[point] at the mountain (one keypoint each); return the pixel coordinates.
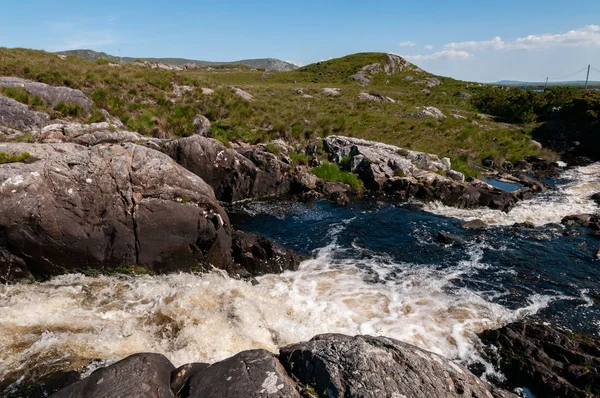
(266, 63)
(576, 83)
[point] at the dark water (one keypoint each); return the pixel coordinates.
(516, 265)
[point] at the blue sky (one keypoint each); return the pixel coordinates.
(471, 40)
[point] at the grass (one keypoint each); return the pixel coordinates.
(8, 158)
(143, 99)
(331, 172)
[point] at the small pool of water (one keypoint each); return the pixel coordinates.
(507, 186)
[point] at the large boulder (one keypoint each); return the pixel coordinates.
(140, 375)
(234, 175)
(52, 95)
(251, 374)
(549, 361)
(335, 365)
(76, 208)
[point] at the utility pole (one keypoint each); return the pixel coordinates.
(546, 85)
(120, 59)
(587, 77)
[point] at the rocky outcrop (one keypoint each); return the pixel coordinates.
(410, 174)
(395, 63)
(109, 206)
(328, 365)
(234, 175)
(89, 134)
(548, 361)
(52, 95)
(17, 118)
(332, 92)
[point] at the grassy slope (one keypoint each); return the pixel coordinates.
(143, 98)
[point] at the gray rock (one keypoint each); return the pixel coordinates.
(241, 93)
(78, 208)
(50, 94)
(361, 79)
(335, 365)
(395, 64)
(426, 91)
(249, 374)
(456, 175)
(113, 120)
(375, 97)
(433, 112)
(207, 91)
(331, 91)
(180, 377)
(447, 238)
(464, 95)
(137, 376)
(178, 91)
(89, 134)
(16, 117)
(432, 82)
(202, 126)
(408, 78)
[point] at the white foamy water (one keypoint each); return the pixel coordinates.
(73, 318)
(548, 207)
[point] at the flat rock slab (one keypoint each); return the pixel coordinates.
(137, 376)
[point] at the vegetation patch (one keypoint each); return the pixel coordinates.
(10, 158)
(331, 172)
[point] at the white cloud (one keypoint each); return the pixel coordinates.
(588, 36)
(428, 47)
(87, 40)
(406, 44)
(444, 54)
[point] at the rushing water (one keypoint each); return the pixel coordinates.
(374, 268)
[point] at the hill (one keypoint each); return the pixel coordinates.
(264, 63)
(373, 96)
(571, 83)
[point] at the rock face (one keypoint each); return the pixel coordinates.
(404, 173)
(234, 175)
(50, 94)
(16, 118)
(140, 375)
(548, 361)
(363, 366)
(78, 208)
(329, 365)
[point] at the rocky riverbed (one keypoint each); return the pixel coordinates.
(93, 202)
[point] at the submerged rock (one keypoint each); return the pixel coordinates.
(548, 361)
(474, 224)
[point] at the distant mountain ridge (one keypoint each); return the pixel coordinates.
(266, 63)
(563, 83)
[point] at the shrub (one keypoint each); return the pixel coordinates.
(70, 109)
(332, 173)
(298, 158)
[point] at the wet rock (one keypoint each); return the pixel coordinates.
(180, 377)
(259, 255)
(251, 374)
(596, 197)
(474, 225)
(525, 225)
(77, 208)
(50, 94)
(549, 361)
(16, 118)
(335, 365)
(242, 94)
(447, 238)
(139, 375)
(202, 126)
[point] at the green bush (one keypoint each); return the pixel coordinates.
(70, 109)
(298, 158)
(331, 172)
